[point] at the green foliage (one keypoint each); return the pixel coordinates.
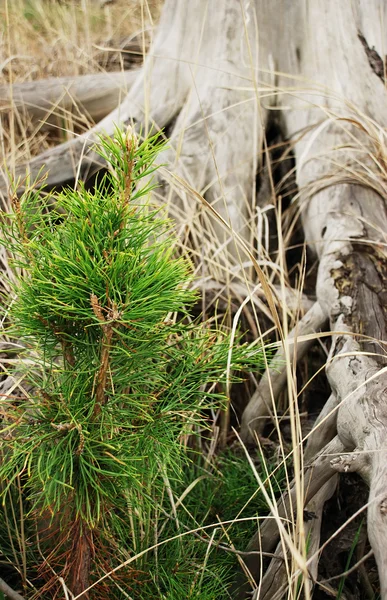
(121, 375)
(221, 501)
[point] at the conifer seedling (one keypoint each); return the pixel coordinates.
(120, 374)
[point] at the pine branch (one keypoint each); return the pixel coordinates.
(116, 385)
(107, 328)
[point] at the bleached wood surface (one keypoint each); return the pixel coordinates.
(44, 100)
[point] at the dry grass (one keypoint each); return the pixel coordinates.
(46, 38)
(49, 38)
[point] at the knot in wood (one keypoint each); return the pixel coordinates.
(383, 507)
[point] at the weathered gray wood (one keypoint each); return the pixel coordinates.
(219, 133)
(324, 428)
(45, 100)
(345, 218)
(275, 580)
(334, 113)
(203, 58)
(289, 299)
(155, 98)
(262, 403)
(9, 592)
(317, 473)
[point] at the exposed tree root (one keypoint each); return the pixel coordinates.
(95, 95)
(317, 473)
(156, 96)
(287, 299)
(9, 592)
(325, 428)
(275, 581)
(347, 225)
(262, 403)
(313, 514)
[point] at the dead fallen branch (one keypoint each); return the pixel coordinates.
(93, 96)
(9, 592)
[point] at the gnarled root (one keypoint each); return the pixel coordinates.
(317, 473)
(201, 71)
(262, 403)
(44, 100)
(275, 581)
(344, 215)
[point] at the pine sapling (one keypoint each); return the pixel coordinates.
(120, 372)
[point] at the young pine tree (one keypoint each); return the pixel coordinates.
(120, 374)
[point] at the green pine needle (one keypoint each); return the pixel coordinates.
(116, 384)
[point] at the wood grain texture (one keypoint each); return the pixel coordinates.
(50, 100)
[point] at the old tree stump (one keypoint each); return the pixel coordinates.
(215, 75)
